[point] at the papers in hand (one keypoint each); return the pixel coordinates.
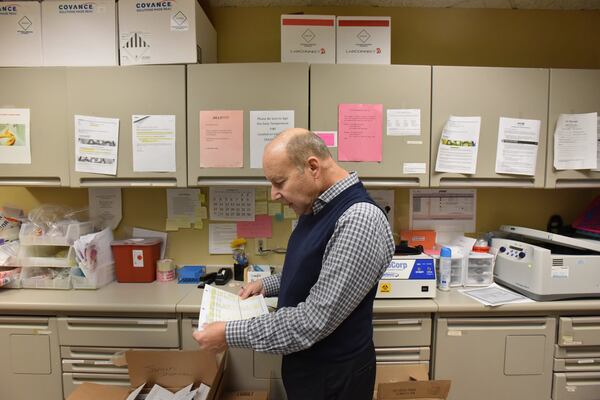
(495, 295)
(220, 305)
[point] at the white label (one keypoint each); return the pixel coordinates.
(73, 362)
(454, 333)
(179, 22)
(560, 272)
(138, 258)
(414, 168)
(570, 388)
(590, 361)
(104, 362)
(414, 142)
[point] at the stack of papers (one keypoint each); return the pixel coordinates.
(159, 393)
(93, 251)
(495, 295)
(220, 305)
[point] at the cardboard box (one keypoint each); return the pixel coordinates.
(408, 382)
(172, 370)
(79, 33)
(363, 40)
(21, 33)
(425, 238)
(165, 32)
(308, 38)
(246, 395)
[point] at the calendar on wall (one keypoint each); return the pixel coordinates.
(231, 204)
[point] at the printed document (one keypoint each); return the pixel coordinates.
(231, 204)
(222, 139)
(264, 126)
(443, 210)
(404, 122)
(220, 305)
(359, 132)
(220, 237)
(153, 143)
(15, 144)
(96, 144)
(183, 205)
(518, 141)
(459, 142)
(598, 150)
(495, 295)
(105, 207)
(576, 141)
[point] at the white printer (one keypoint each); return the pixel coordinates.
(411, 276)
(547, 266)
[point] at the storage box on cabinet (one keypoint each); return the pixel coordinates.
(490, 93)
(394, 86)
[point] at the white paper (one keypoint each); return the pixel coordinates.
(159, 393)
(183, 203)
(404, 122)
(202, 393)
(576, 141)
(153, 143)
(459, 142)
(264, 126)
(220, 237)
(137, 391)
(518, 141)
(598, 148)
(443, 210)
(495, 295)
(220, 305)
(414, 168)
(15, 141)
(96, 144)
(385, 200)
(105, 207)
(231, 204)
(147, 233)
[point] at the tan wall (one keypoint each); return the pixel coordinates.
(419, 36)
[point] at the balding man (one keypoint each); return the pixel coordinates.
(335, 257)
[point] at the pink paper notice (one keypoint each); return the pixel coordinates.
(360, 132)
(222, 139)
(261, 227)
(329, 137)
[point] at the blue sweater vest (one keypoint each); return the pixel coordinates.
(301, 269)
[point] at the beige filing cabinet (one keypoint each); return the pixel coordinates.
(394, 86)
(43, 92)
(247, 87)
(88, 345)
(571, 92)
(577, 359)
(490, 93)
(402, 340)
(121, 92)
(495, 358)
(29, 361)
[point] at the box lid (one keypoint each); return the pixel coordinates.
(172, 369)
(136, 242)
(411, 390)
(93, 391)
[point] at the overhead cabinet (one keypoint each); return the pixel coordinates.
(405, 158)
(43, 92)
(571, 92)
(246, 88)
(122, 92)
(489, 93)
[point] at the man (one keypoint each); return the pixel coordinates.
(335, 256)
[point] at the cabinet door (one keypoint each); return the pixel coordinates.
(571, 92)
(247, 87)
(495, 358)
(392, 331)
(490, 93)
(30, 361)
(121, 92)
(394, 86)
(43, 92)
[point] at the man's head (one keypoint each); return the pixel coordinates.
(300, 168)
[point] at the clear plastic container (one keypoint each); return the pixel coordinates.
(456, 268)
(480, 269)
(45, 278)
(46, 256)
(100, 277)
(10, 277)
(62, 234)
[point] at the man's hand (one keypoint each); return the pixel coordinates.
(252, 289)
(212, 337)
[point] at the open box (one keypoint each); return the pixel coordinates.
(408, 382)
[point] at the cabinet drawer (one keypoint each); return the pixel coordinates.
(402, 354)
(576, 364)
(577, 352)
(576, 386)
(579, 331)
(72, 380)
(92, 366)
(401, 332)
(121, 332)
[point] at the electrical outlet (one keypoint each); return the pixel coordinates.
(260, 245)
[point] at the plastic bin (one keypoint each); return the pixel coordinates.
(10, 277)
(46, 256)
(63, 234)
(480, 269)
(45, 278)
(100, 277)
(135, 259)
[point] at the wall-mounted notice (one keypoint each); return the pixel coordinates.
(222, 139)
(15, 146)
(264, 126)
(359, 132)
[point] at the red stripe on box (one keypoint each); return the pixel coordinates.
(311, 22)
(356, 22)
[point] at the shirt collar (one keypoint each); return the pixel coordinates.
(334, 191)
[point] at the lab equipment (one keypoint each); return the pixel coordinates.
(410, 276)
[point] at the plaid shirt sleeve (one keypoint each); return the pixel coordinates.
(355, 258)
(271, 284)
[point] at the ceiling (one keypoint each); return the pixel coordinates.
(507, 4)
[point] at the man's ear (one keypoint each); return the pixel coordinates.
(314, 166)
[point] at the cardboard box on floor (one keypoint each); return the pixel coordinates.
(408, 382)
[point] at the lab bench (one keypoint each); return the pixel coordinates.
(55, 340)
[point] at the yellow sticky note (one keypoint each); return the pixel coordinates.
(198, 224)
(183, 222)
(260, 208)
(171, 225)
(201, 213)
(260, 194)
(274, 208)
(288, 213)
(202, 198)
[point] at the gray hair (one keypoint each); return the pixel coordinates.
(304, 145)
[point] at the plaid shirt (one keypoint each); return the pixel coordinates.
(355, 258)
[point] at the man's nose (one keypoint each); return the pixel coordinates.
(275, 195)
